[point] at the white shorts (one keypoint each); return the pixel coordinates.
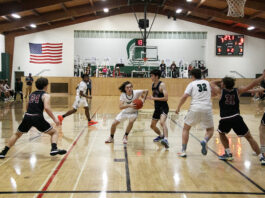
(204, 117)
(80, 102)
(126, 115)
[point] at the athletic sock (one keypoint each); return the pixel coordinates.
(260, 155)
(5, 150)
(54, 146)
(262, 149)
(89, 120)
(206, 139)
(165, 138)
(184, 147)
(126, 134)
(63, 116)
(228, 151)
(112, 136)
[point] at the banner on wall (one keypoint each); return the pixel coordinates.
(46, 53)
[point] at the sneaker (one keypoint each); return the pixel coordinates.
(204, 147)
(2, 156)
(262, 160)
(91, 122)
(226, 157)
(57, 151)
(60, 118)
(125, 139)
(182, 154)
(165, 143)
(158, 138)
(109, 140)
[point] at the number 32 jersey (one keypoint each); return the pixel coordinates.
(200, 92)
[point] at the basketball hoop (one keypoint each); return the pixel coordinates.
(236, 8)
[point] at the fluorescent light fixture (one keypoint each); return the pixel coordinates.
(179, 10)
(33, 25)
(106, 10)
(189, 0)
(251, 28)
(16, 16)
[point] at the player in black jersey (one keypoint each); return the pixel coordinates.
(38, 101)
(230, 114)
(160, 98)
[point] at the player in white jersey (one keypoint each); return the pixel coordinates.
(127, 106)
(80, 100)
(200, 110)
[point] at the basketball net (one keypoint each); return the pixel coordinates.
(236, 8)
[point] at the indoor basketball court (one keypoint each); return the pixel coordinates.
(112, 42)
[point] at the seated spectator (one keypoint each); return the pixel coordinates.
(204, 71)
(3, 91)
(189, 70)
(162, 68)
(174, 70)
(18, 88)
(105, 71)
(8, 89)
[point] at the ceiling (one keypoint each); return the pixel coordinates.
(49, 14)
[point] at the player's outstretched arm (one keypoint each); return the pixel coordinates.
(215, 89)
(47, 108)
(254, 83)
(144, 95)
(182, 101)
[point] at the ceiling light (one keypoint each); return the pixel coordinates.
(189, 0)
(33, 25)
(179, 10)
(16, 16)
(251, 28)
(106, 10)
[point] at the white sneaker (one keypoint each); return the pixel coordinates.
(125, 139)
(109, 140)
(182, 154)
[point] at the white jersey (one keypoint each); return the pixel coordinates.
(200, 92)
(128, 100)
(81, 87)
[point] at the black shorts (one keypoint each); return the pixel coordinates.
(263, 119)
(37, 121)
(236, 123)
(163, 110)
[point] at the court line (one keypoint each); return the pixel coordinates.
(138, 192)
(86, 159)
(128, 179)
(58, 166)
(232, 166)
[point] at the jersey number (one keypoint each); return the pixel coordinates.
(230, 99)
(34, 98)
(202, 87)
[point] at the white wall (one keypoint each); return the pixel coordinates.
(2, 48)
(251, 63)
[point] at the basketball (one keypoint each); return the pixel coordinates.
(138, 103)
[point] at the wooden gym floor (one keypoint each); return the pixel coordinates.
(143, 169)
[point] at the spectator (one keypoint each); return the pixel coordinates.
(163, 69)
(105, 71)
(8, 89)
(189, 70)
(174, 70)
(3, 91)
(18, 88)
(29, 81)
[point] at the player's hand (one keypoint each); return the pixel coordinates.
(89, 97)
(56, 121)
(132, 105)
(150, 97)
(177, 111)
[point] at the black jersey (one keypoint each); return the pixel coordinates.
(158, 94)
(229, 103)
(36, 105)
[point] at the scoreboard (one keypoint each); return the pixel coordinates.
(230, 45)
(139, 42)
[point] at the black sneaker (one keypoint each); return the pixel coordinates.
(262, 160)
(57, 152)
(226, 157)
(204, 148)
(2, 156)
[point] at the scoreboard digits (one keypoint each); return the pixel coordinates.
(230, 45)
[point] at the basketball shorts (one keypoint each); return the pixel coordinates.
(236, 123)
(163, 110)
(126, 115)
(263, 119)
(205, 118)
(37, 121)
(80, 102)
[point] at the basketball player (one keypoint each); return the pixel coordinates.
(200, 110)
(160, 98)
(127, 106)
(38, 101)
(262, 139)
(80, 100)
(230, 114)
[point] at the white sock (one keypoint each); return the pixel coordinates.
(260, 155)
(227, 150)
(165, 138)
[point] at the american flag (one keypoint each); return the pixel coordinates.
(46, 53)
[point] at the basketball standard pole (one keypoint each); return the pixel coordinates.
(145, 33)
